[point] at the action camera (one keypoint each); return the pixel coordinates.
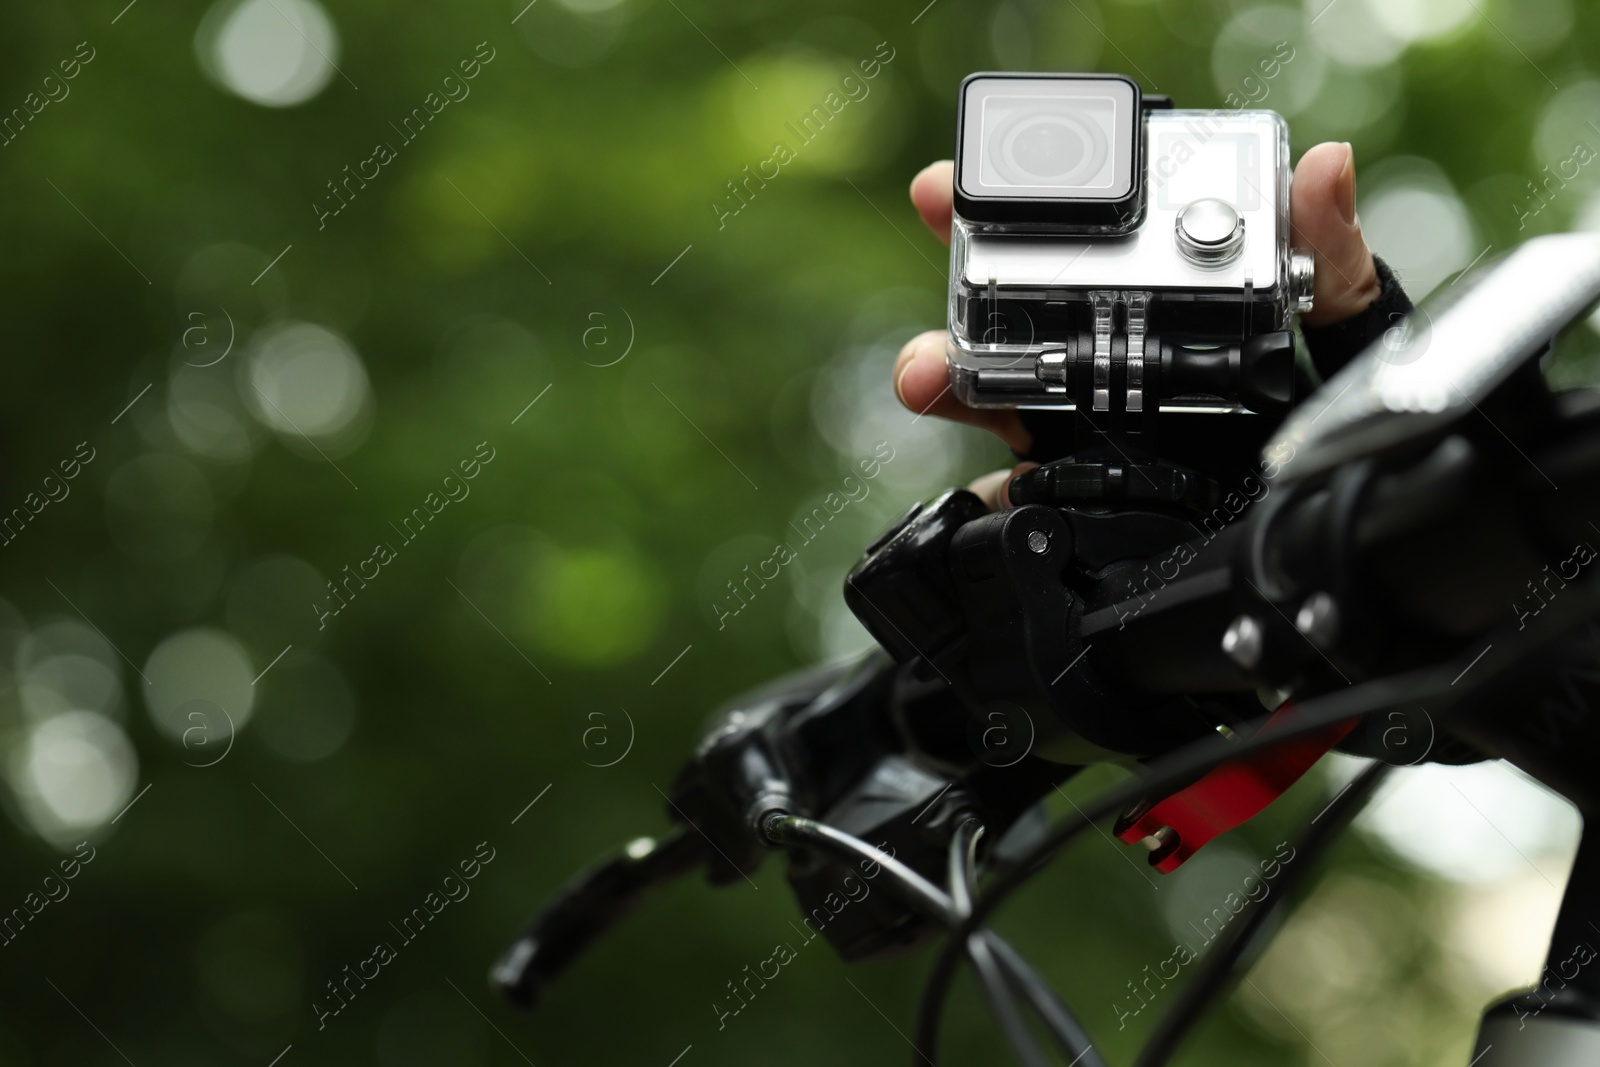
(1110, 252)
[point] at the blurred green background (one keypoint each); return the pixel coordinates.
(268, 389)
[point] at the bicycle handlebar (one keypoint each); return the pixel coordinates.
(1366, 576)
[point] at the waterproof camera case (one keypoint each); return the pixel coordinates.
(1109, 252)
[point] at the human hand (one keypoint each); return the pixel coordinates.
(1322, 210)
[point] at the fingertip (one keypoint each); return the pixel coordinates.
(991, 489)
(933, 194)
(933, 182)
(1346, 182)
(922, 384)
(922, 376)
(1325, 160)
(1322, 201)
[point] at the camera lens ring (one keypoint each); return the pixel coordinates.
(1091, 145)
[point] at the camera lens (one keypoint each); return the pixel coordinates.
(1048, 148)
(1063, 151)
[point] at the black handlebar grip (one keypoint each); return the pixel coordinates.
(586, 907)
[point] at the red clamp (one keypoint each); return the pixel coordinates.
(1227, 795)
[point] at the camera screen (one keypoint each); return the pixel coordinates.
(1055, 138)
(1195, 164)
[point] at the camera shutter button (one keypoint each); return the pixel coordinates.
(1210, 232)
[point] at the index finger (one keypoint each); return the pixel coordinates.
(933, 193)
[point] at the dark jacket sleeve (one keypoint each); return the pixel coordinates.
(1333, 346)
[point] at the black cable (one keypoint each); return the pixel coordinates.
(1069, 1035)
(1013, 968)
(799, 830)
(1177, 769)
(926, 897)
(999, 992)
(963, 884)
(1063, 1026)
(1435, 683)
(964, 864)
(1220, 968)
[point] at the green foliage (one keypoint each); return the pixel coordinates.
(573, 191)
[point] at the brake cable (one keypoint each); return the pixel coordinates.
(1195, 759)
(999, 966)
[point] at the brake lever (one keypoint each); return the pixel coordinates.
(736, 763)
(596, 899)
(865, 747)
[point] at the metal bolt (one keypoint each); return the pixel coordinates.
(1302, 278)
(1051, 368)
(1242, 642)
(1038, 542)
(1159, 840)
(1318, 619)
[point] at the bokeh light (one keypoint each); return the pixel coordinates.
(1414, 21)
(574, 33)
(67, 666)
(197, 664)
(582, 572)
(206, 415)
(1477, 823)
(74, 774)
(277, 53)
(1256, 35)
(307, 383)
(1347, 31)
(1413, 218)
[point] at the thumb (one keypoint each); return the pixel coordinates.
(1322, 210)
